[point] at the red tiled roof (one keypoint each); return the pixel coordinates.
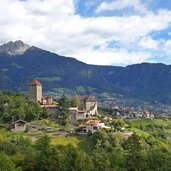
(35, 82)
(93, 122)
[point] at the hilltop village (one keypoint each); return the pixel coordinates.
(84, 116)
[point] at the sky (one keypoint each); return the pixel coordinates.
(100, 32)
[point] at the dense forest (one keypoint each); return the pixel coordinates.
(104, 152)
(15, 106)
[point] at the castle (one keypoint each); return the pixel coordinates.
(87, 108)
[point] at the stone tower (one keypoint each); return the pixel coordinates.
(35, 91)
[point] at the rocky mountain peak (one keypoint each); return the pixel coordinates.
(14, 48)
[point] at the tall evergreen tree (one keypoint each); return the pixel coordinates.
(63, 110)
(134, 153)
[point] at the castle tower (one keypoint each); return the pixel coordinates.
(35, 91)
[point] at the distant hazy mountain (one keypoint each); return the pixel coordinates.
(20, 63)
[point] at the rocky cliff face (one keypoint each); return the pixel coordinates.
(14, 48)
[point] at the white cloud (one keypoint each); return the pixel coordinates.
(168, 47)
(121, 4)
(53, 25)
(108, 56)
(148, 43)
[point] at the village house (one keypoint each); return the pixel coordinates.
(147, 114)
(19, 125)
(91, 126)
(76, 114)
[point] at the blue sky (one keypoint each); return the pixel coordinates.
(110, 32)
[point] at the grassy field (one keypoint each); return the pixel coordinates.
(60, 140)
(145, 122)
(46, 122)
(3, 134)
(159, 128)
(163, 134)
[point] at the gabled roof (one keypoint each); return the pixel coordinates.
(20, 120)
(35, 82)
(93, 122)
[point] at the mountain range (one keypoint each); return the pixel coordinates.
(20, 63)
